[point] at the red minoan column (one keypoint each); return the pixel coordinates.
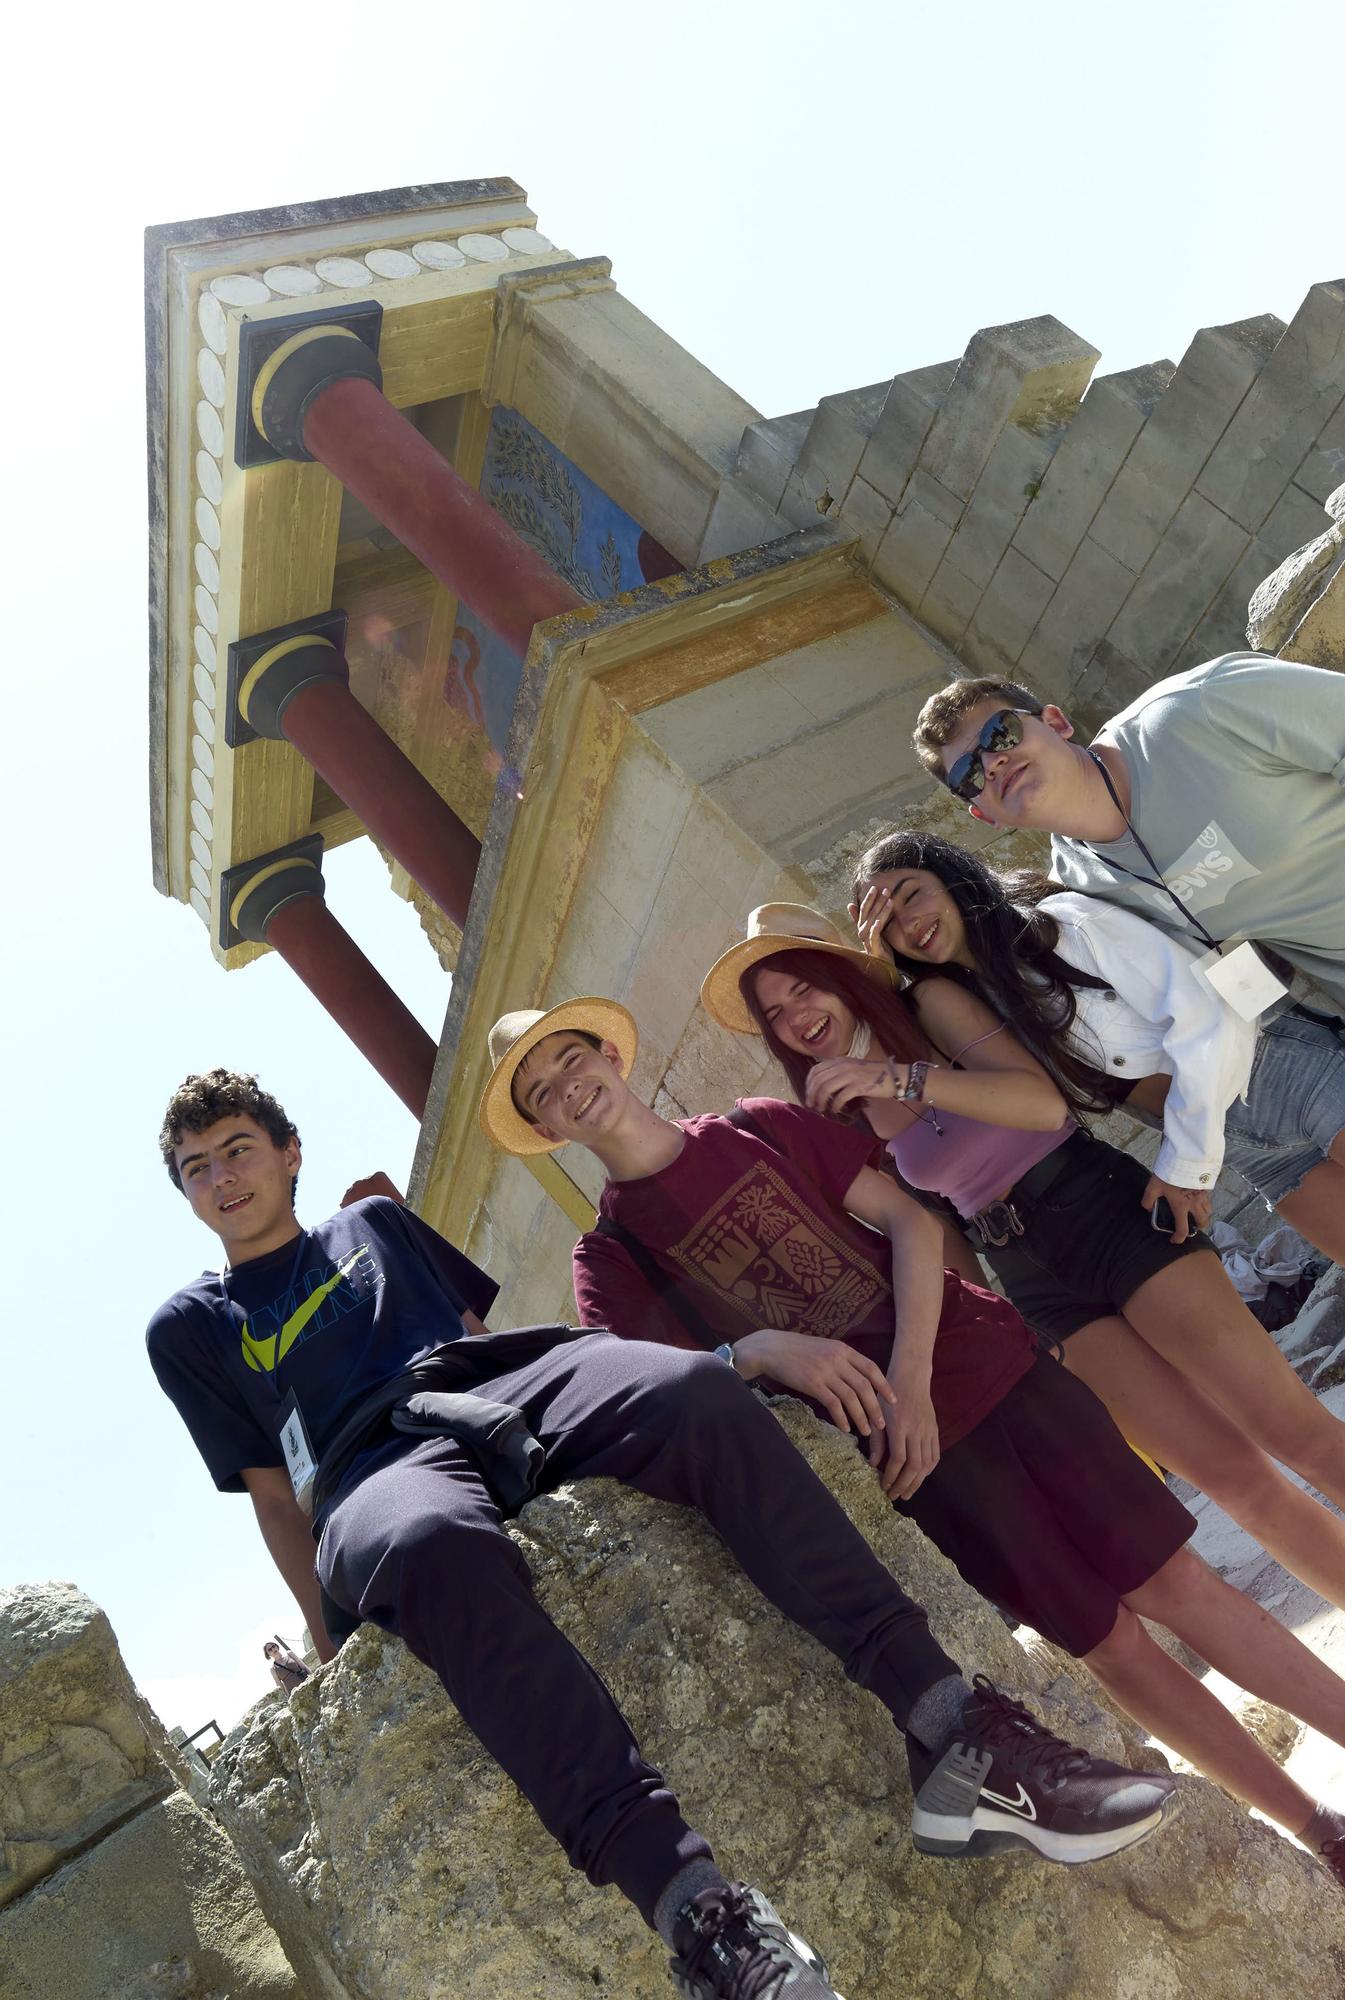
(281, 904)
(319, 396)
(299, 689)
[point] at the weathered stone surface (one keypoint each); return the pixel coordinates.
(79, 1748)
(160, 1910)
(1111, 416)
(1297, 392)
(913, 401)
(1286, 599)
(831, 452)
(1030, 372)
(394, 1860)
(1212, 378)
(769, 452)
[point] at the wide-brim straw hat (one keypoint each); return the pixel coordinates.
(515, 1034)
(772, 928)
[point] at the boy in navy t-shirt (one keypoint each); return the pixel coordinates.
(347, 1366)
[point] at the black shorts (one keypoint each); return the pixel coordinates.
(1087, 1244)
(1046, 1510)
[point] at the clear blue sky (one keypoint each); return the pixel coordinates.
(809, 200)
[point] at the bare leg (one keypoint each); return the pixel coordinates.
(1243, 1642)
(1172, 1705)
(1159, 1409)
(1316, 1208)
(1192, 1316)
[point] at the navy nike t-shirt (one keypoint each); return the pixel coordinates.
(349, 1305)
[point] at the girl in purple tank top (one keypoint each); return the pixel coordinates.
(1152, 1325)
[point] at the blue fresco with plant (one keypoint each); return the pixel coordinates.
(573, 526)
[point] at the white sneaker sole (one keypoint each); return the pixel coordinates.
(989, 1832)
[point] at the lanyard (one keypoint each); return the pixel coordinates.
(241, 1318)
(1155, 881)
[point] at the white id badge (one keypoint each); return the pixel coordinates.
(1243, 979)
(299, 1460)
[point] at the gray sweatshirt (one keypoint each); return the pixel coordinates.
(1237, 777)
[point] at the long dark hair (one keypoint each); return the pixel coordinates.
(1018, 970)
(894, 1026)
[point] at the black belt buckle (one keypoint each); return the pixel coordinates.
(997, 1222)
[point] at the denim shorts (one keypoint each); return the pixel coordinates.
(1086, 1243)
(1294, 1105)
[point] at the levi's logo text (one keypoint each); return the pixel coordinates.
(1205, 874)
(315, 1303)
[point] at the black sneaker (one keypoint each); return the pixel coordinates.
(1333, 1854)
(1001, 1780)
(731, 1945)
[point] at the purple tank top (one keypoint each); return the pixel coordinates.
(971, 1164)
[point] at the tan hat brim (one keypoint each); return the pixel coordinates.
(501, 1122)
(721, 995)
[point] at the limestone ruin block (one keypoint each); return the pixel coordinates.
(79, 1748)
(159, 1910)
(396, 1863)
(1300, 609)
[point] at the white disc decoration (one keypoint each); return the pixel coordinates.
(292, 281)
(214, 326)
(200, 876)
(207, 569)
(239, 290)
(526, 242)
(204, 720)
(205, 650)
(485, 249)
(210, 430)
(203, 756)
(438, 256)
(200, 905)
(205, 687)
(208, 478)
(206, 610)
(392, 264)
(200, 847)
(207, 523)
(200, 819)
(210, 376)
(202, 788)
(343, 271)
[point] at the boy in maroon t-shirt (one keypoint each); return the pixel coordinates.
(769, 1236)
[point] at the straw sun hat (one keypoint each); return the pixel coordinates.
(511, 1039)
(771, 928)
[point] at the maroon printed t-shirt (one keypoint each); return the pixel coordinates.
(757, 1235)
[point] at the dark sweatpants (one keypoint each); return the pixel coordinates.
(418, 1547)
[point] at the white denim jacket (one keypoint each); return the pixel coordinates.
(1157, 1019)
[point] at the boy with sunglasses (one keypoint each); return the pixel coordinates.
(1214, 807)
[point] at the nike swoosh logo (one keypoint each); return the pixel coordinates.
(1022, 1805)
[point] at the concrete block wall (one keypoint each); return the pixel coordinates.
(1089, 535)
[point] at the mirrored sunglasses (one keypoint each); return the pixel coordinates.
(1003, 731)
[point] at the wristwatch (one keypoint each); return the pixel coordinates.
(725, 1353)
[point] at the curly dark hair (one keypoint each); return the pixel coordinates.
(1018, 971)
(894, 1026)
(201, 1101)
(941, 716)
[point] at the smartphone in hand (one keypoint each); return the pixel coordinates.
(1161, 1217)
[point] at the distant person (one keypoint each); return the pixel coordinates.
(347, 1364)
(287, 1669)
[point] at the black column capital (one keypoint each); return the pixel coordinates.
(267, 670)
(284, 363)
(252, 891)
